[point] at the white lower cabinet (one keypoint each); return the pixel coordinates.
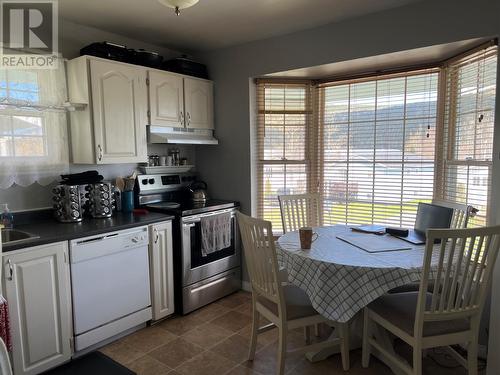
(162, 276)
(37, 288)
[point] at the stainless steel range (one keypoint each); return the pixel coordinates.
(199, 279)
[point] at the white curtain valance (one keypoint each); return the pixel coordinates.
(33, 126)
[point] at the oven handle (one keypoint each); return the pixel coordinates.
(212, 283)
(196, 218)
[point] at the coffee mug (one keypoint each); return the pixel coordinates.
(127, 201)
(307, 237)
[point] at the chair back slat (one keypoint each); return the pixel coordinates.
(484, 266)
(260, 256)
(437, 282)
(461, 213)
(464, 266)
(459, 279)
(468, 282)
(300, 210)
(442, 294)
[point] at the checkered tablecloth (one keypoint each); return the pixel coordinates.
(341, 279)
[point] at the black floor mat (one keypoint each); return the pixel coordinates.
(94, 363)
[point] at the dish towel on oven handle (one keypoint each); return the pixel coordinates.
(215, 233)
(4, 324)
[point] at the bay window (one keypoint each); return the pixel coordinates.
(374, 147)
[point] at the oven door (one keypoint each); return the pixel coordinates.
(197, 267)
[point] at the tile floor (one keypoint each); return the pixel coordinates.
(215, 339)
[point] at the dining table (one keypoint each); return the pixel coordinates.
(341, 278)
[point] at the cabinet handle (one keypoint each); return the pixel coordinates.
(181, 118)
(11, 270)
(99, 156)
(189, 119)
(157, 236)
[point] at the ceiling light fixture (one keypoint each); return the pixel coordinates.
(177, 5)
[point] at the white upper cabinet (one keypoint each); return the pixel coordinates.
(198, 103)
(37, 288)
(166, 99)
(115, 101)
(179, 101)
(112, 127)
(120, 115)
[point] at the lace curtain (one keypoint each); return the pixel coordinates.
(33, 126)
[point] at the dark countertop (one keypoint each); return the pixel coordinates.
(51, 230)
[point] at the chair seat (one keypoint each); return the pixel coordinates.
(400, 309)
(283, 275)
(412, 287)
(298, 304)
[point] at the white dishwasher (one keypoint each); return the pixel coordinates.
(110, 284)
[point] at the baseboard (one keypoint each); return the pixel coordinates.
(245, 285)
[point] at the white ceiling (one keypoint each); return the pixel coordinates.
(415, 57)
(214, 24)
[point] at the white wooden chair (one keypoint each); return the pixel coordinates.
(451, 313)
(297, 211)
(5, 368)
(286, 306)
(300, 210)
(460, 219)
(461, 213)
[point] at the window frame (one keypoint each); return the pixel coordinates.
(401, 163)
(260, 161)
(314, 141)
(448, 125)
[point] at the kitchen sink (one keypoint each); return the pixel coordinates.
(11, 236)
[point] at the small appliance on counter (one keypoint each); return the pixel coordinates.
(198, 191)
(100, 200)
(68, 207)
(82, 194)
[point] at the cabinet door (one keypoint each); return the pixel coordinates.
(37, 290)
(162, 276)
(166, 99)
(119, 101)
(198, 99)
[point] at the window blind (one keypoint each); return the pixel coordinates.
(467, 147)
(377, 148)
(283, 136)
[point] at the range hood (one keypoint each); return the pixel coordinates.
(163, 134)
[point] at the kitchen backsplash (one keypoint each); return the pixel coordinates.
(36, 196)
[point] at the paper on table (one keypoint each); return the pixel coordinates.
(373, 243)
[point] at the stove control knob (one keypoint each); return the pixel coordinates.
(145, 181)
(151, 181)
